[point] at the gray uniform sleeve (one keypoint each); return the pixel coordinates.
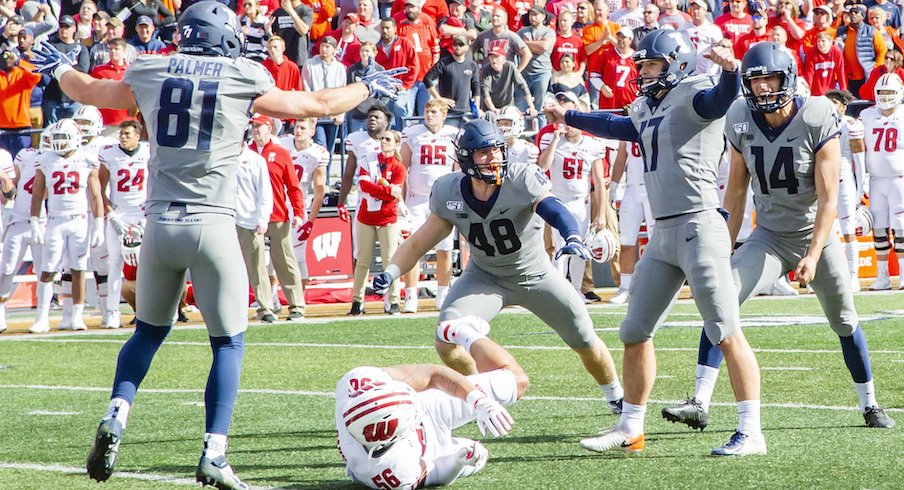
(823, 121)
(733, 132)
(535, 182)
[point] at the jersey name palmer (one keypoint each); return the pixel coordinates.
(194, 67)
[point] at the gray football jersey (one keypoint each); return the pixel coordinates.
(781, 160)
(505, 235)
(681, 150)
(196, 112)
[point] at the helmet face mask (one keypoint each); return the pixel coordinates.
(63, 137)
(131, 245)
(514, 126)
(763, 60)
(889, 91)
(482, 135)
(678, 57)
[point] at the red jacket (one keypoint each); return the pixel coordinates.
(284, 181)
(823, 71)
(287, 75)
(868, 89)
(436, 9)
(400, 54)
(393, 173)
(109, 71)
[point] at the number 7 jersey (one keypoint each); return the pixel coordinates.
(782, 160)
(196, 112)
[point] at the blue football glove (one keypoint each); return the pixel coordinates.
(381, 284)
(574, 246)
(383, 83)
(47, 58)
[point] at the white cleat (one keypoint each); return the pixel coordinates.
(448, 331)
(742, 444)
(65, 323)
(113, 320)
(410, 305)
(620, 298)
(614, 438)
(881, 284)
(782, 287)
(78, 323)
(41, 325)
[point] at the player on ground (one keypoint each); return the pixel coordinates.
(633, 211)
(395, 424)
(493, 204)
(310, 161)
(428, 151)
(850, 187)
(790, 146)
(678, 121)
(574, 163)
(67, 175)
(198, 103)
(884, 138)
(124, 168)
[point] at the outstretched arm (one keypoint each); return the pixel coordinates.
(603, 124)
(322, 103)
(109, 94)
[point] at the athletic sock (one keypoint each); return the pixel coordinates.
(625, 281)
(441, 292)
(214, 445)
(705, 384)
(410, 293)
(118, 409)
(749, 417)
(78, 311)
(632, 417)
(613, 391)
(45, 293)
(856, 355)
(867, 394)
(135, 359)
(223, 382)
(882, 269)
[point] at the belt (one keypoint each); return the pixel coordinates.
(70, 216)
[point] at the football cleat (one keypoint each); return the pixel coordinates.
(78, 323)
(881, 284)
(410, 305)
(394, 310)
(690, 413)
(268, 317)
(448, 331)
(102, 457)
(112, 320)
(742, 444)
(616, 406)
(295, 315)
(620, 298)
(65, 322)
(217, 473)
(357, 308)
(41, 325)
(877, 418)
(614, 438)
(782, 287)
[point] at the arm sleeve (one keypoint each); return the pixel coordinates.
(433, 74)
(554, 212)
(603, 124)
(714, 102)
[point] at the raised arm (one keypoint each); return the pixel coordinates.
(714, 102)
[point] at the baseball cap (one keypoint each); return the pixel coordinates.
(826, 9)
(859, 6)
(462, 40)
(65, 20)
(352, 17)
(115, 22)
(329, 40)
(145, 20)
(701, 3)
(627, 32)
(537, 9)
(498, 51)
(566, 97)
(100, 14)
(416, 3)
(261, 119)
(17, 19)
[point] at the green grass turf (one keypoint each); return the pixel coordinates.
(283, 433)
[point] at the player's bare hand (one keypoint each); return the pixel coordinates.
(723, 57)
(297, 221)
(555, 111)
(806, 270)
(260, 230)
(396, 192)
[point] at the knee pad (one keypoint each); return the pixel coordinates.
(899, 243)
(880, 242)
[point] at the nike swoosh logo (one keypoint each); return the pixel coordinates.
(792, 139)
(503, 211)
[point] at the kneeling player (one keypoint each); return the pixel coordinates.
(395, 424)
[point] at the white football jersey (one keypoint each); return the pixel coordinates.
(365, 148)
(851, 129)
(571, 168)
(128, 175)
(522, 151)
(432, 156)
(884, 140)
(66, 180)
(98, 143)
(26, 161)
(306, 161)
(634, 164)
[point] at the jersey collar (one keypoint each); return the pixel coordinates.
(482, 208)
(773, 133)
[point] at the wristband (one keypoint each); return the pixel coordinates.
(61, 70)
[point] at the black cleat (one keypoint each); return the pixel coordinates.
(217, 473)
(268, 317)
(877, 418)
(102, 457)
(295, 315)
(394, 310)
(357, 308)
(592, 297)
(616, 406)
(183, 318)
(690, 413)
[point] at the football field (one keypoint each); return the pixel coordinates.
(54, 388)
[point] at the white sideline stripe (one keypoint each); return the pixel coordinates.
(69, 340)
(784, 368)
(57, 468)
(330, 394)
(48, 412)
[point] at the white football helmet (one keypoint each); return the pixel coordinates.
(603, 245)
(510, 113)
(131, 245)
(381, 414)
(863, 221)
(89, 120)
(889, 82)
(63, 136)
(45, 138)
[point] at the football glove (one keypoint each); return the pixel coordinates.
(119, 226)
(343, 213)
(51, 61)
(574, 246)
(491, 416)
(37, 231)
(381, 284)
(383, 83)
(306, 229)
(96, 238)
(473, 454)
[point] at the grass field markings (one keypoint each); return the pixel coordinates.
(430, 347)
(785, 368)
(48, 412)
(330, 394)
(57, 468)
(665, 376)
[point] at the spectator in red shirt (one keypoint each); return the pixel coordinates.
(114, 70)
(435, 9)
(420, 28)
(285, 185)
(515, 10)
(285, 72)
(348, 46)
(894, 61)
(392, 52)
(787, 16)
(567, 42)
(618, 73)
(824, 68)
(736, 22)
(757, 35)
(456, 24)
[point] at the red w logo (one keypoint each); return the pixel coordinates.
(380, 431)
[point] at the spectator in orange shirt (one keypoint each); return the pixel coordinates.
(864, 48)
(393, 52)
(324, 10)
(822, 22)
(114, 70)
(420, 28)
(16, 84)
(823, 69)
(878, 18)
(894, 63)
(596, 36)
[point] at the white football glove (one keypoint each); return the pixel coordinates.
(96, 238)
(474, 454)
(491, 416)
(37, 230)
(119, 226)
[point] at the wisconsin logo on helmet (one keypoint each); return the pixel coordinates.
(381, 415)
(602, 244)
(889, 91)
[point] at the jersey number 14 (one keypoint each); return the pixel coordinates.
(781, 176)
